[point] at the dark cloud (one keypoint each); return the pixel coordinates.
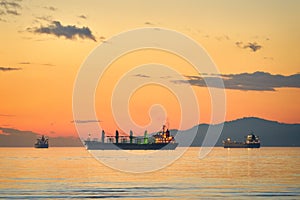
(142, 75)
(9, 7)
(85, 121)
(251, 45)
(9, 69)
(82, 16)
(68, 31)
(257, 81)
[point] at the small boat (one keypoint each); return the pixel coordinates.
(42, 142)
(163, 140)
(252, 141)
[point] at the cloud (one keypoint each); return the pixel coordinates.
(9, 7)
(85, 121)
(4, 69)
(50, 8)
(142, 75)
(223, 37)
(47, 64)
(68, 31)
(29, 63)
(82, 16)
(165, 77)
(149, 23)
(47, 18)
(251, 45)
(268, 58)
(12, 12)
(24, 63)
(14, 131)
(5, 115)
(257, 81)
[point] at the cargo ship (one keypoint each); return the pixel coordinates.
(252, 141)
(42, 142)
(163, 140)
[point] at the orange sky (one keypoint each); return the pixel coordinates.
(38, 70)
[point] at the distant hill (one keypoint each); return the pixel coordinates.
(271, 133)
(16, 138)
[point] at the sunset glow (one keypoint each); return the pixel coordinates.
(44, 47)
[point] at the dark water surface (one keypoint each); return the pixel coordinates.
(224, 173)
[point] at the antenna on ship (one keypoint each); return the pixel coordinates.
(103, 136)
(130, 136)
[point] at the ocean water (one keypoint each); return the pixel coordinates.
(225, 173)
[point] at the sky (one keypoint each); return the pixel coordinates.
(254, 44)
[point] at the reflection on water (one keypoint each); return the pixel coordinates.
(74, 173)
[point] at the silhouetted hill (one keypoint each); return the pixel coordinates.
(16, 138)
(271, 133)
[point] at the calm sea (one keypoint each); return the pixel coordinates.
(224, 173)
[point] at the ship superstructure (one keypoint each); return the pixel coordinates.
(162, 140)
(252, 141)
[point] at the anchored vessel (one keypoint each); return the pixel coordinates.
(252, 141)
(42, 142)
(162, 140)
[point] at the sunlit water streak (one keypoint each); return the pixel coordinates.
(74, 173)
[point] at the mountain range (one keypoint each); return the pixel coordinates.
(271, 133)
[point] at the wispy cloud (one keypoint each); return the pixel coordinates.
(68, 31)
(47, 64)
(50, 8)
(5, 115)
(10, 7)
(85, 121)
(4, 69)
(24, 63)
(257, 81)
(46, 18)
(222, 37)
(253, 46)
(15, 131)
(149, 23)
(30, 63)
(142, 75)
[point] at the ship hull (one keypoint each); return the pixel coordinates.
(95, 145)
(241, 145)
(41, 146)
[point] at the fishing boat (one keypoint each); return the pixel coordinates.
(162, 140)
(42, 142)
